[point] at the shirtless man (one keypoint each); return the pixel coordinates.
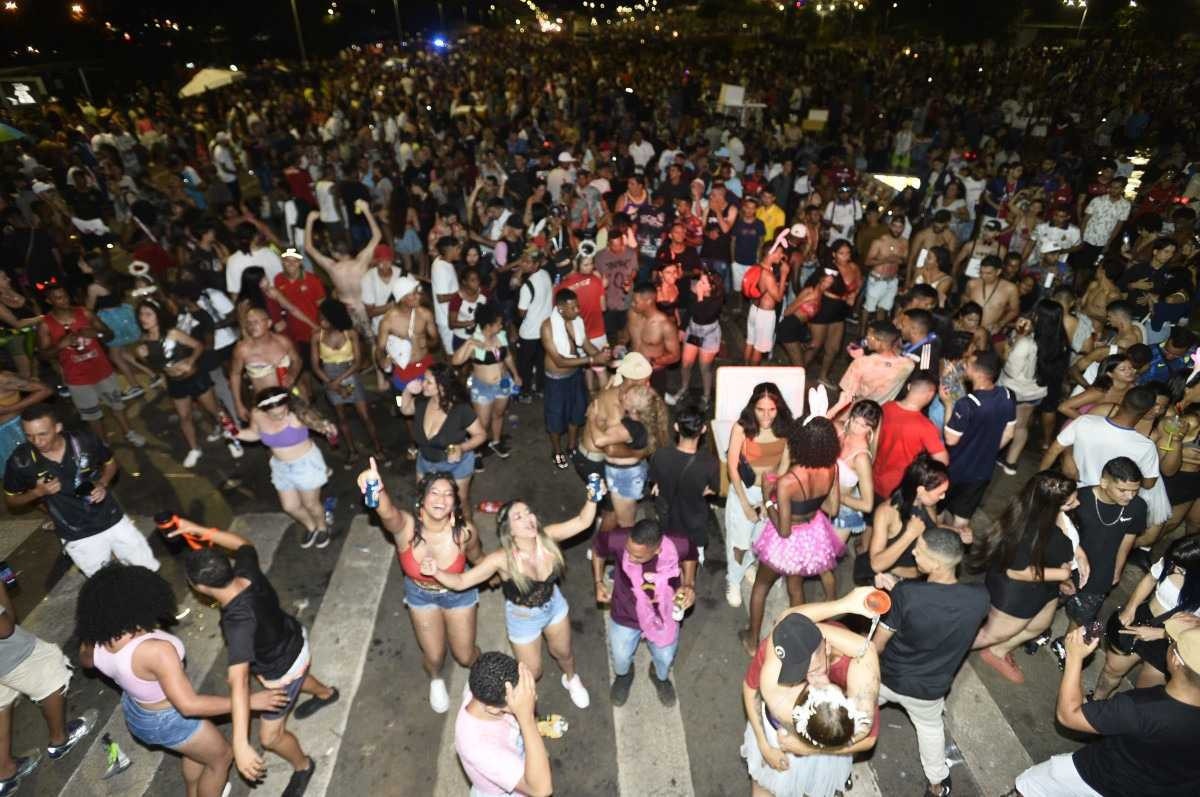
(653, 334)
(760, 321)
(971, 255)
(605, 411)
(267, 358)
(884, 259)
(568, 352)
(998, 297)
(936, 234)
(405, 334)
(346, 273)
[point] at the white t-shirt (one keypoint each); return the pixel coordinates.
(641, 153)
(222, 159)
(327, 202)
(537, 300)
(240, 261)
(1095, 440)
(444, 280)
(218, 305)
(1050, 238)
(376, 292)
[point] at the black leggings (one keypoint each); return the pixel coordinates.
(530, 356)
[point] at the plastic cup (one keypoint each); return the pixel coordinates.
(878, 602)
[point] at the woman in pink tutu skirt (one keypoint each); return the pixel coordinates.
(798, 541)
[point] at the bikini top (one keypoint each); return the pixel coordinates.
(538, 594)
(761, 455)
(338, 355)
(847, 475)
(804, 506)
(288, 436)
(492, 355)
(260, 370)
(412, 568)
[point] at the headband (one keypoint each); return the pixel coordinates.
(818, 403)
(831, 695)
(271, 401)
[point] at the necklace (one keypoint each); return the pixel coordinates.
(1120, 513)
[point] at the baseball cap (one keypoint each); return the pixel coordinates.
(292, 253)
(405, 285)
(565, 157)
(634, 365)
(383, 252)
(1187, 641)
(795, 639)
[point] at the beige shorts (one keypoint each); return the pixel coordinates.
(44, 672)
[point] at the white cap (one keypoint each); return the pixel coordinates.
(566, 157)
(405, 285)
(291, 252)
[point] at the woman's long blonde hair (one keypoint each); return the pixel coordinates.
(652, 412)
(543, 542)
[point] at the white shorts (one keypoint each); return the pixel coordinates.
(447, 339)
(1056, 777)
(122, 542)
(739, 274)
(881, 293)
(760, 329)
(44, 672)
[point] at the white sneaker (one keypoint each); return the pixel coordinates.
(135, 439)
(733, 595)
(192, 458)
(216, 434)
(579, 693)
(439, 698)
(671, 399)
(235, 449)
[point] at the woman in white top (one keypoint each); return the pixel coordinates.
(1136, 634)
(854, 469)
(1027, 370)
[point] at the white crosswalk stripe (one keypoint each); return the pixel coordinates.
(204, 643)
(340, 638)
(14, 531)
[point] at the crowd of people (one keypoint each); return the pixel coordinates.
(444, 234)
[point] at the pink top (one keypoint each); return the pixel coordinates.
(119, 667)
(491, 751)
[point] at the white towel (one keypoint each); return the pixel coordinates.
(568, 345)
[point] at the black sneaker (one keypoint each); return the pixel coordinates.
(1059, 649)
(321, 539)
(618, 693)
(1141, 558)
(500, 448)
(479, 466)
(307, 540)
(299, 780)
(1031, 647)
(1009, 470)
(25, 765)
(939, 789)
(315, 704)
(76, 730)
(665, 689)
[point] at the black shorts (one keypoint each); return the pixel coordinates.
(1083, 607)
(792, 330)
(586, 467)
(965, 497)
(1020, 599)
(192, 386)
(566, 402)
(659, 380)
(1183, 487)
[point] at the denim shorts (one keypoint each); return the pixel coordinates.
(708, 336)
(487, 392)
(526, 623)
(166, 728)
(419, 599)
(307, 472)
(463, 469)
(627, 481)
(850, 520)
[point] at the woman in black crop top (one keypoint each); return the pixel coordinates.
(900, 522)
(175, 354)
(493, 377)
(530, 564)
(799, 541)
(1027, 553)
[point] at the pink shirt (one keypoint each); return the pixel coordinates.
(491, 751)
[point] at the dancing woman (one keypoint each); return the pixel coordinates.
(434, 533)
(530, 566)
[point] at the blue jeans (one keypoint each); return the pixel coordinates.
(623, 642)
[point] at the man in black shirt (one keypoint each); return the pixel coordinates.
(1148, 736)
(1110, 517)
(71, 473)
(262, 639)
(683, 476)
(923, 640)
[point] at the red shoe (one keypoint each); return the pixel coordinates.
(1007, 666)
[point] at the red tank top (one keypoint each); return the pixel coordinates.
(412, 568)
(81, 366)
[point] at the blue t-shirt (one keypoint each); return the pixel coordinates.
(747, 237)
(980, 417)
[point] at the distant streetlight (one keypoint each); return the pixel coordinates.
(1078, 4)
(299, 34)
(77, 11)
(399, 30)
(10, 6)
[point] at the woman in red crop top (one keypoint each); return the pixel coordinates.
(435, 535)
(529, 564)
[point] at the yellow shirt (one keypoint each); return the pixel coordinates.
(772, 218)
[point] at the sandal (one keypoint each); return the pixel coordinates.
(560, 461)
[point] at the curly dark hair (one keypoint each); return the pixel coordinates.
(336, 314)
(813, 444)
(461, 533)
(451, 390)
(122, 599)
(783, 413)
(490, 673)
